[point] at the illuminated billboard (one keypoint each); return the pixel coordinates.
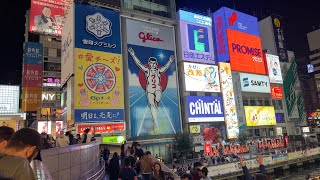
(274, 69)
(201, 77)
(99, 128)
(278, 29)
(276, 92)
(44, 127)
(205, 109)
(46, 17)
(9, 99)
(254, 83)
(260, 116)
(196, 37)
(237, 41)
(195, 129)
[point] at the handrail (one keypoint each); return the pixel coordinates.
(102, 168)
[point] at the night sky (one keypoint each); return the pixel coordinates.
(300, 16)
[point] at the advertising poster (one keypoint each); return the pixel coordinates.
(113, 139)
(201, 77)
(260, 116)
(195, 129)
(98, 86)
(9, 99)
(280, 118)
(59, 127)
(32, 53)
(44, 127)
(205, 108)
(289, 83)
(69, 100)
(229, 103)
(67, 44)
(278, 29)
(46, 17)
(31, 98)
(196, 37)
(98, 128)
(245, 52)
(254, 83)
(276, 92)
(238, 99)
(32, 75)
(97, 29)
(153, 91)
(274, 69)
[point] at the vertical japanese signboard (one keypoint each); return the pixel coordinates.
(153, 86)
(32, 76)
(238, 99)
(289, 87)
(281, 45)
(196, 37)
(228, 101)
(47, 16)
(301, 109)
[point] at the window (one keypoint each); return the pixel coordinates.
(280, 104)
(193, 93)
(260, 103)
(245, 102)
(58, 52)
(252, 102)
(257, 132)
(45, 51)
(266, 102)
(274, 103)
(207, 93)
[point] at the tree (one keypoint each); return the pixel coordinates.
(243, 137)
(182, 144)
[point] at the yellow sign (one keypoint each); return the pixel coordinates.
(260, 115)
(31, 98)
(195, 129)
(276, 22)
(99, 80)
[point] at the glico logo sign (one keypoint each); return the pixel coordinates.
(147, 34)
(255, 52)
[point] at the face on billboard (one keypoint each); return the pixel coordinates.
(44, 127)
(99, 86)
(46, 17)
(205, 109)
(97, 29)
(59, 127)
(260, 115)
(196, 39)
(274, 69)
(254, 83)
(201, 77)
(276, 92)
(154, 99)
(245, 52)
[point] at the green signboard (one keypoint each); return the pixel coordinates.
(113, 139)
(289, 87)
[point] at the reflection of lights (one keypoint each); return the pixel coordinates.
(161, 56)
(120, 139)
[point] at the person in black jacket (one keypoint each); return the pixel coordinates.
(114, 167)
(260, 176)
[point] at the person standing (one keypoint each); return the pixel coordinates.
(16, 156)
(146, 165)
(114, 167)
(157, 173)
(127, 173)
(62, 141)
(6, 134)
(204, 174)
(131, 158)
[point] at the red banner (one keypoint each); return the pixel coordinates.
(276, 92)
(101, 128)
(32, 75)
(47, 16)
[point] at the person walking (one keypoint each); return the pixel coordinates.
(204, 174)
(157, 173)
(114, 167)
(146, 165)
(62, 141)
(127, 173)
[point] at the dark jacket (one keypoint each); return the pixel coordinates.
(246, 173)
(114, 168)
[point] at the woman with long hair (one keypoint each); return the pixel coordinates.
(157, 173)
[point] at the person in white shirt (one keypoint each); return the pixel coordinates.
(62, 140)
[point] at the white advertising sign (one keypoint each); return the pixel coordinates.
(67, 46)
(9, 99)
(254, 83)
(44, 127)
(238, 98)
(305, 129)
(274, 69)
(201, 77)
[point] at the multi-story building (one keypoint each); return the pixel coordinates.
(314, 46)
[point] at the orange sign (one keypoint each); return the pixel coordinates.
(31, 98)
(101, 128)
(245, 52)
(276, 92)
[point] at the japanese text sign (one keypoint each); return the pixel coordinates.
(281, 45)
(33, 53)
(97, 29)
(31, 98)
(47, 16)
(201, 77)
(98, 128)
(196, 38)
(32, 75)
(99, 85)
(276, 92)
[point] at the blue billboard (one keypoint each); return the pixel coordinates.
(97, 29)
(226, 18)
(205, 108)
(32, 53)
(194, 18)
(98, 115)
